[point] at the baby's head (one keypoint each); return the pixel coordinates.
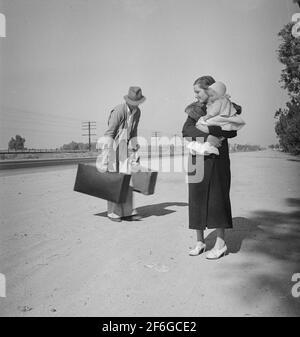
(216, 91)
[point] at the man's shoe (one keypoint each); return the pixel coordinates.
(115, 219)
(134, 217)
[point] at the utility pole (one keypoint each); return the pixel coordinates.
(155, 134)
(175, 139)
(89, 126)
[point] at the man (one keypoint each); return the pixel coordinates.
(120, 140)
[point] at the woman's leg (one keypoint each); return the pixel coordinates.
(200, 246)
(220, 247)
(220, 242)
(200, 235)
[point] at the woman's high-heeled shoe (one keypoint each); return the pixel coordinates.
(199, 249)
(215, 253)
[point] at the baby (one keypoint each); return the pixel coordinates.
(221, 112)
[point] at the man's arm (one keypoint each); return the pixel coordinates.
(113, 124)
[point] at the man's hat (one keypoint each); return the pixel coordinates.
(135, 96)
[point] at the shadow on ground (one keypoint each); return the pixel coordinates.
(270, 244)
(155, 209)
(270, 240)
(243, 228)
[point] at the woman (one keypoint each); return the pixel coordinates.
(209, 201)
(120, 138)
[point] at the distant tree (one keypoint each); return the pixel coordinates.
(71, 146)
(245, 148)
(77, 146)
(288, 127)
(12, 144)
(16, 143)
(20, 142)
(274, 146)
(288, 122)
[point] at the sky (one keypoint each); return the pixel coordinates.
(64, 62)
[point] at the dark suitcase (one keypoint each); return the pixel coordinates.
(111, 186)
(144, 182)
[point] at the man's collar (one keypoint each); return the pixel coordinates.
(129, 111)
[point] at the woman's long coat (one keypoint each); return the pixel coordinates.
(209, 200)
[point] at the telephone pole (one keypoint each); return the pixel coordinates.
(89, 126)
(155, 134)
(175, 140)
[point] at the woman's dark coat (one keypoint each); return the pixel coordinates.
(209, 201)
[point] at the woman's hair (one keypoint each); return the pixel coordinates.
(204, 81)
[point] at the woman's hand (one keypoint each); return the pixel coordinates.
(214, 141)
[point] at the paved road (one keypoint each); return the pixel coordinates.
(62, 257)
(33, 163)
(30, 163)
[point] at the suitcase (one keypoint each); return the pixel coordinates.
(144, 182)
(111, 186)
